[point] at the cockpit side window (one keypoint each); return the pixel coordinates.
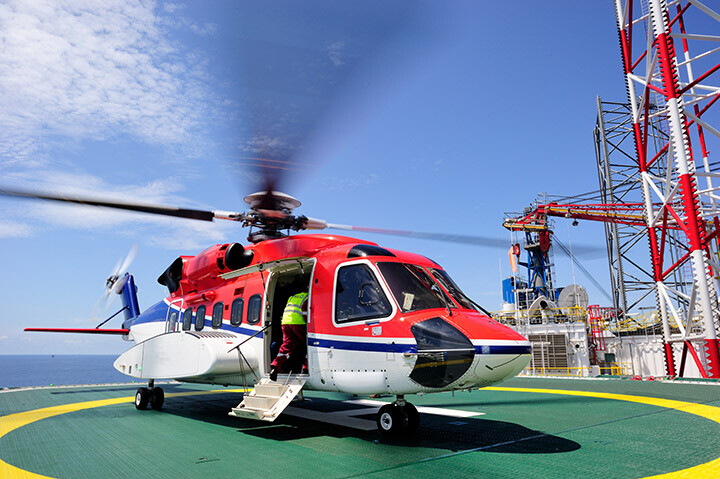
(358, 295)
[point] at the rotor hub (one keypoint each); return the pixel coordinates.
(272, 200)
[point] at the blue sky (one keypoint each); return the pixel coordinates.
(439, 123)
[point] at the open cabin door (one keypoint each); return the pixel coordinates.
(287, 278)
(268, 399)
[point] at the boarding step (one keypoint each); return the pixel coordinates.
(268, 399)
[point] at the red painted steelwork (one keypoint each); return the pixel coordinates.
(79, 330)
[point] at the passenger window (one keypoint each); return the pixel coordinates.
(254, 309)
(172, 322)
(187, 319)
(217, 315)
(358, 295)
(237, 311)
(200, 318)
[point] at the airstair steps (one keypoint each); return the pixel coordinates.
(268, 399)
(272, 389)
(259, 402)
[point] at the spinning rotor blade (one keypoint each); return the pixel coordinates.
(153, 209)
(299, 95)
(114, 284)
(121, 268)
(483, 241)
(446, 237)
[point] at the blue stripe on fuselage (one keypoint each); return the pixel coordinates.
(158, 313)
(362, 346)
(505, 349)
(408, 348)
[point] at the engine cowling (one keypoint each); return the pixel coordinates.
(202, 270)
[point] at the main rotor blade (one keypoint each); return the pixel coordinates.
(153, 209)
(483, 241)
(446, 237)
(291, 91)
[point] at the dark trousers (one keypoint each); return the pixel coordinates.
(293, 351)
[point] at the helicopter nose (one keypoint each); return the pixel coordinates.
(444, 353)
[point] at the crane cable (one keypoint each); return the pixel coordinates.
(587, 274)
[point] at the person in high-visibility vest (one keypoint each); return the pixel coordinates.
(294, 329)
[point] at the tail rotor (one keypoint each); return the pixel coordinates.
(114, 284)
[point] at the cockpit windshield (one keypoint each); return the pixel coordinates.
(413, 288)
(452, 288)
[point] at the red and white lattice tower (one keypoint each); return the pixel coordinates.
(671, 57)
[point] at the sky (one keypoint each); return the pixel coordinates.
(432, 116)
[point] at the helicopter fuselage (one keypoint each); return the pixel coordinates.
(379, 321)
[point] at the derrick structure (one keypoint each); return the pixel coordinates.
(669, 59)
(620, 181)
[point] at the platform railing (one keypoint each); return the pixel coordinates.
(539, 316)
(611, 369)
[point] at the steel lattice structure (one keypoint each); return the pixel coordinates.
(620, 182)
(669, 72)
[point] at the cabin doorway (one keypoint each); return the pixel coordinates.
(285, 281)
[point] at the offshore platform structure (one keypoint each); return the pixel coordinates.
(668, 60)
(555, 319)
(658, 186)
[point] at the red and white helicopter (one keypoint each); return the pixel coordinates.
(380, 321)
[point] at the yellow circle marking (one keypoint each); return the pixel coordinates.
(14, 421)
(708, 470)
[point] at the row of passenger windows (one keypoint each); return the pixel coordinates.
(236, 314)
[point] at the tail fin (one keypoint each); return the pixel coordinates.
(128, 295)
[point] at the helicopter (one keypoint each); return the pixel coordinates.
(379, 321)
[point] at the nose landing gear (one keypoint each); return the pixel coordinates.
(399, 418)
(155, 396)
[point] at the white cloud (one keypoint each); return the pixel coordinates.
(9, 229)
(336, 52)
(92, 69)
(173, 7)
(162, 231)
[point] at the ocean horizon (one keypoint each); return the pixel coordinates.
(27, 370)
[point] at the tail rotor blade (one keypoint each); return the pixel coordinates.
(114, 285)
(129, 258)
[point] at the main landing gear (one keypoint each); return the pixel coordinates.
(155, 396)
(398, 418)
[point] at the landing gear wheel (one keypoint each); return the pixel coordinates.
(142, 397)
(395, 420)
(157, 398)
(389, 420)
(412, 418)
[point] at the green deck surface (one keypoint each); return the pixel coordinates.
(521, 434)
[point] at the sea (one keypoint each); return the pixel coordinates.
(18, 371)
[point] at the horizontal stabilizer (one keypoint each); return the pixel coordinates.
(79, 330)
